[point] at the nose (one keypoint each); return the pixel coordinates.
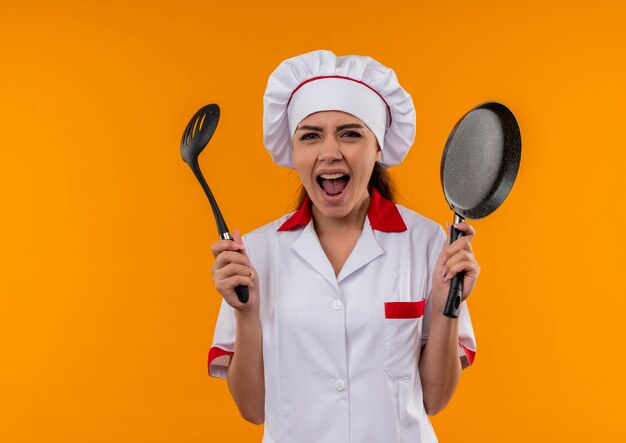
(330, 150)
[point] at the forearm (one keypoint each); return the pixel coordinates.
(245, 373)
(439, 365)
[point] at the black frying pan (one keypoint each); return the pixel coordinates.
(478, 169)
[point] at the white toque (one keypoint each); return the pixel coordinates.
(320, 81)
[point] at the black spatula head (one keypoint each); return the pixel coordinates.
(198, 132)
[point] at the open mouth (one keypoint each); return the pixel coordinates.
(333, 184)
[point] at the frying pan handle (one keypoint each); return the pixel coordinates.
(241, 291)
(456, 284)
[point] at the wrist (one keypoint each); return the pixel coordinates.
(247, 314)
(438, 300)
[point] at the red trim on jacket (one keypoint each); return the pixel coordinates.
(215, 352)
(404, 309)
(382, 213)
(469, 353)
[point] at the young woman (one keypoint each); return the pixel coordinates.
(343, 338)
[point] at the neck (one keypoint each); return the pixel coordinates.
(340, 225)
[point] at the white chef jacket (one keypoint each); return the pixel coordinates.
(340, 353)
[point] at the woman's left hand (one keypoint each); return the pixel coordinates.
(454, 258)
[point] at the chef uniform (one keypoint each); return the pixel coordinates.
(341, 353)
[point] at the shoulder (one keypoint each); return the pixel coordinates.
(427, 237)
(266, 233)
(418, 224)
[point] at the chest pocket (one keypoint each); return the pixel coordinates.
(403, 326)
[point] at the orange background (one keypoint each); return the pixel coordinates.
(108, 306)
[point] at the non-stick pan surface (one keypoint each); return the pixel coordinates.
(481, 159)
(478, 169)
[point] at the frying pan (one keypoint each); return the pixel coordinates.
(478, 169)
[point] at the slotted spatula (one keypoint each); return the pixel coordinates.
(196, 136)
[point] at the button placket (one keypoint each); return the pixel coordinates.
(337, 305)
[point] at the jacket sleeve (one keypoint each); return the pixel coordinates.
(223, 346)
(466, 340)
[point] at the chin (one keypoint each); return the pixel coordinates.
(342, 207)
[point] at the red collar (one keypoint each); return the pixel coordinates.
(382, 213)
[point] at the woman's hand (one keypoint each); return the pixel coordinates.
(454, 258)
(233, 268)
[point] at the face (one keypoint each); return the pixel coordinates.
(334, 154)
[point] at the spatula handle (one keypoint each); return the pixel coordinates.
(222, 229)
(456, 284)
(242, 293)
(241, 290)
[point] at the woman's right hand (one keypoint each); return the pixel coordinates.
(233, 268)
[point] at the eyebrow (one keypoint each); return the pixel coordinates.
(339, 128)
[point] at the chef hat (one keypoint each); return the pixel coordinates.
(321, 81)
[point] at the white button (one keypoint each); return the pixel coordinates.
(340, 385)
(337, 304)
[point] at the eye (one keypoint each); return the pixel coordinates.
(351, 134)
(309, 136)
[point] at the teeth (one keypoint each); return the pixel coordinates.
(332, 176)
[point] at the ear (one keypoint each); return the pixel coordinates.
(379, 152)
